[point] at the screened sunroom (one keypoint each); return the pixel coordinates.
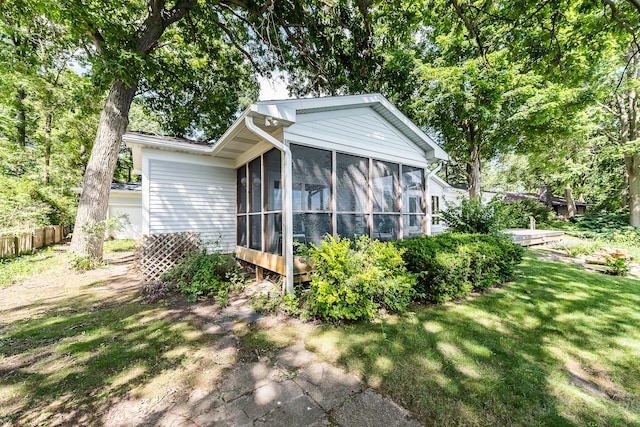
(332, 193)
(288, 173)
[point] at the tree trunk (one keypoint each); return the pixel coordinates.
(546, 195)
(473, 165)
(571, 204)
(474, 178)
(632, 167)
(47, 147)
(88, 234)
(21, 119)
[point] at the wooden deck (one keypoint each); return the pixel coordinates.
(275, 263)
(526, 237)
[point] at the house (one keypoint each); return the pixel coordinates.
(125, 200)
(292, 171)
(558, 204)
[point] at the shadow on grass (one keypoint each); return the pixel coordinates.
(94, 355)
(507, 357)
(76, 356)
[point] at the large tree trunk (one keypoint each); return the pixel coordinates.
(88, 234)
(473, 164)
(474, 178)
(571, 204)
(548, 196)
(474, 168)
(632, 167)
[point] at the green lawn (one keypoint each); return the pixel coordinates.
(15, 269)
(74, 344)
(559, 346)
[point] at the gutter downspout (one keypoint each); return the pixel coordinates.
(287, 202)
(427, 195)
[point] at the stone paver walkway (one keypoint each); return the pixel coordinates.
(292, 388)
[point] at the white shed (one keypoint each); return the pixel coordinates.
(292, 170)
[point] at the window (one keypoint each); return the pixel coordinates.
(242, 189)
(386, 198)
(259, 222)
(412, 201)
(352, 175)
(311, 179)
(435, 210)
(311, 194)
(273, 177)
(375, 198)
(350, 225)
(255, 179)
(311, 227)
(384, 186)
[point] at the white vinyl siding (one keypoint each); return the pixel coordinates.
(359, 131)
(193, 197)
(129, 204)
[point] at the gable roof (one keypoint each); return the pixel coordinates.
(290, 109)
(273, 116)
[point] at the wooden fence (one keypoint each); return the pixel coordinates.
(13, 244)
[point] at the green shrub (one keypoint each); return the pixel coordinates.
(450, 265)
(618, 266)
(355, 279)
(83, 263)
(203, 275)
(274, 302)
(517, 214)
(474, 216)
(612, 226)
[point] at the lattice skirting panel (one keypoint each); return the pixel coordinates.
(160, 252)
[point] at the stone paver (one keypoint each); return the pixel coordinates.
(291, 389)
(288, 392)
(369, 409)
(327, 385)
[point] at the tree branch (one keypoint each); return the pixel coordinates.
(472, 30)
(615, 17)
(96, 39)
(158, 19)
(237, 45)
(609, 109)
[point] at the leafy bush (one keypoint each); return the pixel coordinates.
(354, 279)
(84, 263)
(618, 266)
(450, 265)
(274, 302)
(206, 275)
(474, 216)
(517, 214)
(612, 226)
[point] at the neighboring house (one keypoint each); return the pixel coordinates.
(558, 204)
(125, 199)
(293, 170)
